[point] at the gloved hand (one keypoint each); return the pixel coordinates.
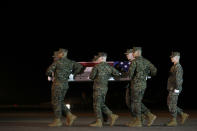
(49, 78)
(176, 91)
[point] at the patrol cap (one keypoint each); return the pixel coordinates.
(61, 50)
(136, 49)
(102, 54)
(128, 51)
(175, 54)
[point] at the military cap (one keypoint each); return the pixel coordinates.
(175, 54)
(61, 50)
(102, 54)
(136, 49)
(128, 51)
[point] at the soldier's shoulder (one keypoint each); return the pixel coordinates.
(146, 60)
(70, 61)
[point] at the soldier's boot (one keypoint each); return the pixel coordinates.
(70, 119)
(56, 122)
(131, 122)
(143, 119)
(136, 123)
(113, 117)
(151, 118)
(184, 117)
(173, 122)
(98, 123)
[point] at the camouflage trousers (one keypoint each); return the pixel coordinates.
(172, 104)
(99, 103)
(58, 93)
(137, 108)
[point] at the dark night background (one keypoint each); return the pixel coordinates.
(27, 44)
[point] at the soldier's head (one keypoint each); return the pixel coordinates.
(129, 54)
(95, 59)
(175, 57)
(62, 53)
(137, 51)
(102, 57)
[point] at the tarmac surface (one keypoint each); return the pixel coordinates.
(38, 121)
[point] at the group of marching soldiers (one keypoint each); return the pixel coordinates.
(140, 68)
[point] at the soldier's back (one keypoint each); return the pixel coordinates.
(142, 68)
(104, 70)
(63, 69)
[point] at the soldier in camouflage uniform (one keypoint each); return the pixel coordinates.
(62, 68)
(138, 72)
(175, 81)
(105, 117)
(130, 57)
(100, 74)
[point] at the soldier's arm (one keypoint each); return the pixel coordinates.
(132, 69)
(93, 73)
(115, 72)
(51, 69)
(153, 69)
(179, 77)
(77, 68)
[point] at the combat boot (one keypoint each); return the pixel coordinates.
(131, 122)
(113, 117)
(98, 123)
(57, 122)
(184, 117)
(70, 119)
(136, 123)
(151, 118)
(173, 122)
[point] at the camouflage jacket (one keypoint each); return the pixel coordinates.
(175, 78)
(62, 68)
(140, 68)
(101, 73)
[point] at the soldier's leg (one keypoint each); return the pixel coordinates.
(172, 106)
(136, 108)
(97, 108)
(56, 99)
(184, 116)
(69, 116)
(104, 107)
(63, 105)
(144, 109)
(146, 112)
(56, 103)
(97, 98)
(106, 110)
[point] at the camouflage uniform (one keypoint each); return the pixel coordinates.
(61, 68)
(100, 74)
(138, 71)
(175, 81)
